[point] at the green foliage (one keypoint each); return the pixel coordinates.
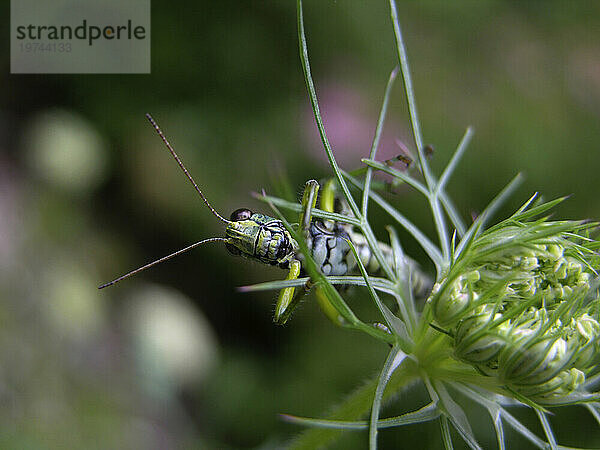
(512, 319)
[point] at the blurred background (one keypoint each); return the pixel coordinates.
(176, 357)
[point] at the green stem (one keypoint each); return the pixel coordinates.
(440, 221)
(310, 86)
(410, 95)
(392, 362)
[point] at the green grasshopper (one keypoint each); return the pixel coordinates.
(265, 239)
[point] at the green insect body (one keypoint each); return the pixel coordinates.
(265, 239)
(260, 237)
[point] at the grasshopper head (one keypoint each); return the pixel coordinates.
(260, 237)
(242, 232)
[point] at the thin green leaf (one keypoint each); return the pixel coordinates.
(537, 210)
(449, 170)
(380, 284)
(523, 430)
(455, 415)
(426, 414)
(440, 226)
(497, 421)
(273, 285)
(563, 447)
(397, 251)
(375, 145)
(495, 242)
(547, 429)
(414, 120)
(453, 247)
(406, 302)
(393, 361)
(531, 201)
(441, 184)
(446, 437)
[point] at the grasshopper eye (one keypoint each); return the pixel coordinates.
(233, 249)
(241, 214)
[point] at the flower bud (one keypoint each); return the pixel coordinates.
(556, 251)
(476, 340)
(524, 363)
(560, 269)
(517, 312)
(450, 306)
(586, 341)
(557, 387)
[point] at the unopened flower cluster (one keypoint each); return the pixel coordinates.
(521, 304)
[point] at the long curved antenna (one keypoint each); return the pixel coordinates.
(164, 258)
(187, 174)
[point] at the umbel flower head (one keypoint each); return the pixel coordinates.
(520, 304)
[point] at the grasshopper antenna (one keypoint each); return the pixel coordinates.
(206, 202)
(187, 174)
(164, 258)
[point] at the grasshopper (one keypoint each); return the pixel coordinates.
(265, 239)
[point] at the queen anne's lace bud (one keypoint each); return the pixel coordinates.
(520, 307)
(584, 336)
(477, 342)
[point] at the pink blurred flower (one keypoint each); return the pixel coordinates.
(350, 120)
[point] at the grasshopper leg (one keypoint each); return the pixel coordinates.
(309, 200)
(287, 302)
(288, 297)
